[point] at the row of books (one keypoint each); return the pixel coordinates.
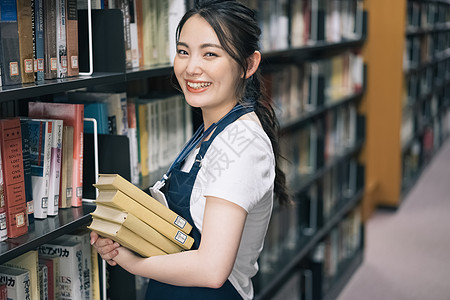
(37, 174)
(423, 146)
(315, 274)
(66, 268)
(320, 141)
(300, 89)
(331, 256)
(416, 117)
(38, 40)
(298, 23)
(313, 208)
(426, 14)
(163, 125)
(149, 29)
(157, 125)
(419, 84)
(420, 49)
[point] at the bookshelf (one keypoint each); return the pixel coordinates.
(407, 106)
(111, 74)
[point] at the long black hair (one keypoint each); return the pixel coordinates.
(238, 32)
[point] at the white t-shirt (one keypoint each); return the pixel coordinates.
(239, 166)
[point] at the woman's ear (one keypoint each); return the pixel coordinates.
(253, 63)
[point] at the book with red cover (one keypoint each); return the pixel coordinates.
(72, 115)
(13, 177)
(50, 276)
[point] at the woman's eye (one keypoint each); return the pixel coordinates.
(182, 52)
(210, 54)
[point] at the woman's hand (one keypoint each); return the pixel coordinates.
(107, 248)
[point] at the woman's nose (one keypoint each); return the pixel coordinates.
(194, 66)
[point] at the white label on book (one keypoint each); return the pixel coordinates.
(74, 60)
(69, 193)
(64, 62)
(29, 66)
(44, 203)
(54, 63)
(181, 237)
(3, 221)
(40, 64)
(20, 219)
(180, 222)
(30, 207)
(79, 191)
(14, 68)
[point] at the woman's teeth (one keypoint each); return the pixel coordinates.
(197, 85)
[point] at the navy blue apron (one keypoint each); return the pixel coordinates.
(178, 189)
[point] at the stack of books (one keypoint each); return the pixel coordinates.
(137, 221)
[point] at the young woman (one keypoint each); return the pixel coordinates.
(225, 186)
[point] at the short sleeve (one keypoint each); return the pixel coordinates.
(239, 164)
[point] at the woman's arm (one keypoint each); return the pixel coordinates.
(209, 266)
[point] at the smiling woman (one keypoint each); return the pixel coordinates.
(225, 180)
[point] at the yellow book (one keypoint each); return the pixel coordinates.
(137, 226)
(28, 261)
(116, 182)
(119, 200)
(124, 237)
(95, 274)
(142, 120)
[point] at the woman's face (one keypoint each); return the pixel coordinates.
(205, 71)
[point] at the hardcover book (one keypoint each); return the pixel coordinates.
(24, 14)
(72, 37)
(70, 267)
(125, 237)
(17, 282)
(28, 261)
(55, 168)
(39, 39)
(9, 43)
(137, 226)
(27, 169)
(50, 58)
(61, 46)
(13, 178)
(117, 182)
(40, 145)
(119, 200)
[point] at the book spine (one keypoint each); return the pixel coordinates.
(11, 73)
(50, 58)
(133, 34)
(40, 146)
(61, 46)
(17, 286)
(43, 282)
(24, 22)
(66, 187)
(12, 167)
(39, 39)
(70, 270)
(27, 169)
(55, 168)
(72, 37)
(77, 175)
